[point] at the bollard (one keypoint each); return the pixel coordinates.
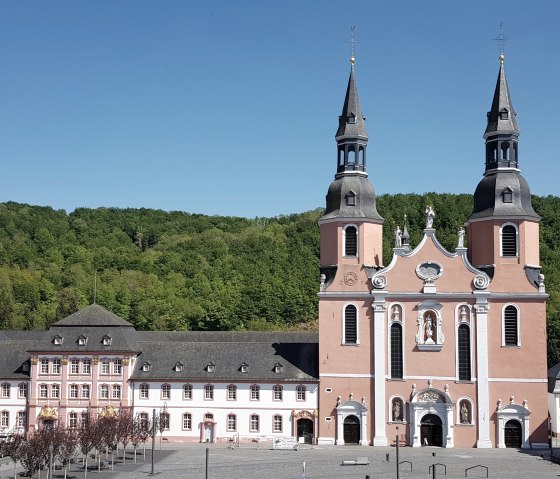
(387, 457)
(367, 477)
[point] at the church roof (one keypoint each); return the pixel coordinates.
(351, 121)
(93, 315)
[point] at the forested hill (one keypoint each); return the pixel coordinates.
(176, 271)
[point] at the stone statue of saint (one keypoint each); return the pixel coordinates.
(398, 237)
(461, 241)
(429, 329)
(464, 414)
(396, 410)
(430, 215)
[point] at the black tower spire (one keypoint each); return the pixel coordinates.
(502, 191)
(351, 195)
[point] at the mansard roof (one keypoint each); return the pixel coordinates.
(298, 353)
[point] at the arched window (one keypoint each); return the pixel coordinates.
(464, 352)
(350, 241)
(351, 156)
(340, 157)
(361, 156)
(396, 351)
(511, 326)
(255, 392)
(350, 324)
(509, 240)
(505, 149)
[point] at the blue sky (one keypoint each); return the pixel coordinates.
(230, 107)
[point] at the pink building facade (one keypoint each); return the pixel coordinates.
(440, 348)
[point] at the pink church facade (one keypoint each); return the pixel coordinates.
(440, 348)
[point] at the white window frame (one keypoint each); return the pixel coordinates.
(56, 366)
(73, 391)
(116, 392)
(357, 255)
(458, 323)
(255, 392)
(254, 419)
(117, 366)
(401, 320)
(104, 391)
(74, 366)
(6, 387)
(301, 392)
(344, 343)
(277, 392)
(86, 366)
(231, 392)
(105, 366)
(144, 391)
(43, 391)
(22, 390)
(208, 392)
(86, 391)
(187, 392)
(166, 391)
(55, 391)
(504, 345)
(516, 240)
(231, 422)
(44, 365)
(187, 421)
(4, 419)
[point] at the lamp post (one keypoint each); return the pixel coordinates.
(51, 449)
(153, 438)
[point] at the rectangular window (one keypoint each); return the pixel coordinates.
(5, 390)
(187, 421)
(44, 366)
(85, 391)
(187, 391)
(350, 324)
(277, 423)
(55, 391)
(164, 421)
(255, 393)
(104, 366)
(73, 392)
(144, 391)
(74, 366)
(104, 391)
(73, 420)
(86, 366)
(43, 391)
(396, 351)
(232, 392)
(22, 390)
(20, 419)
(232, 422)
(254, 423)
(5, 419)
(117, 366)
(116, 391)
(56, 366)
(277, 393)
(85, 418)
(209, 392)
(166, 391)
(300, 393)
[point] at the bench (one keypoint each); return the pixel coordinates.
(359, 461)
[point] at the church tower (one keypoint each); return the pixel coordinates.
(351, 247)
(503, 229)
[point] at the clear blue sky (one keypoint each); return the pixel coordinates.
(230, 107)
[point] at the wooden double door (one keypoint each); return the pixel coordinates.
(431, 431)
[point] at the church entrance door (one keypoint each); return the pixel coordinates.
(512, 434)
(305, 430)
(431, 431)
(351, 430)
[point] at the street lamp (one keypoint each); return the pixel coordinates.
(51, 449)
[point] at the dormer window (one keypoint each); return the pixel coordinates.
(106, 341)
(146, 367)
(278, 368)
(210, 368)
(178, 367)
(352, 119)
(58, 339)
(504, 114)
(82, 341)
(351, 199)
(244, 368)
(507, 196)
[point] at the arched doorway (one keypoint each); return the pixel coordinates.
(305, 430)
(512, 434)
(351, 430)
(431, 431)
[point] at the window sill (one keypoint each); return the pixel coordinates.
(459, 424)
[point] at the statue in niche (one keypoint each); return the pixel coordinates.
(429, 329)
(463, 314)
(461, 240)
(398, 237)
(396, 314)
(397, 410)
(430, 215)
(464, 413)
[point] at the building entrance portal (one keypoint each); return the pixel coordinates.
(512, 434)
(351, 430)
(305, 430)
(431, 431)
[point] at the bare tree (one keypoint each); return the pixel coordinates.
(68, 448)
(88, 438)
(124, 429)
(34, 452)
(12, 447)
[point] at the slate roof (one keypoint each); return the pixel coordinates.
(554, 379)
(365, 206)
(351, 109)
(296, 352)
(93, 315)
(500, 102)
(13, 355)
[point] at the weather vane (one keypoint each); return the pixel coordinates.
(501, 39)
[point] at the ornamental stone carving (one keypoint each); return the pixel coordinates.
(429, 271)
(430, 396)
(379, 282)
(481, 281)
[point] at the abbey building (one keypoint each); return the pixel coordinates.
(439, 348)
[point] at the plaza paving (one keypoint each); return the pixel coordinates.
(322, 462)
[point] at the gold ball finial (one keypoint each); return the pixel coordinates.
(352, 60)
(502, 58)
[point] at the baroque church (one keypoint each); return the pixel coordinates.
(437, 348)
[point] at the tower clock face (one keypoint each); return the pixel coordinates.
(350, 279)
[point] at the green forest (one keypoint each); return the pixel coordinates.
(181, 271)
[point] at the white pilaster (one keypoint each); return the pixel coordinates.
(379, 307)
(481, 307)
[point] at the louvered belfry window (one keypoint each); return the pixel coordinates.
(509, 241)
(464, 350)
(396, 351)
(351, 241)
(510, 326)
(350, 324)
